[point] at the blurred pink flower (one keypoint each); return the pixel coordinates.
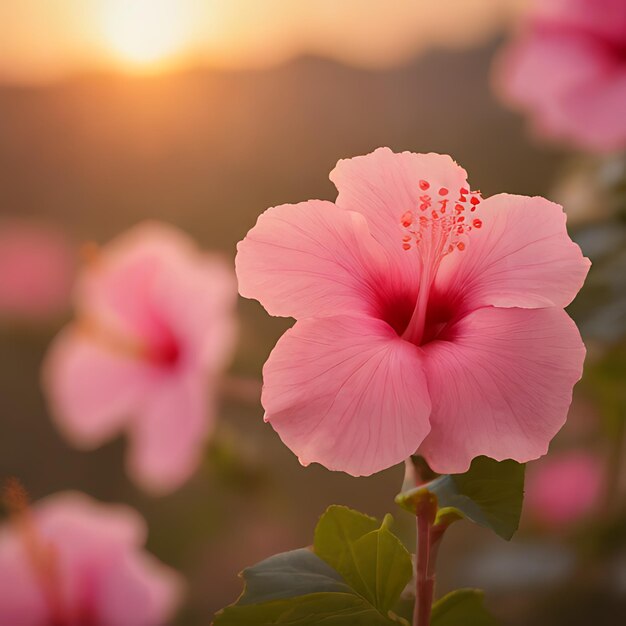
(154, 329)
(70, 561)
(427, 318)
(567, 68)
(36, 270)
(564, 488)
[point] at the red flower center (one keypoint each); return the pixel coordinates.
(166, 351)
(438, 226)
(618, 51)
(160, 348)
(440, 316)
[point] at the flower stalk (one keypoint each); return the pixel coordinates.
(426, 511)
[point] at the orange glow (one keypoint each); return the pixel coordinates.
(44, 40)
(146, 35)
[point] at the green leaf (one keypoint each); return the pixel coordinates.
(331, 609)
(490, 493)
(463, 607)
(297, 587)
(287, 575)
(370, 558)
(355, 576)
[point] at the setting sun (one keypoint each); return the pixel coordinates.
(146, 34)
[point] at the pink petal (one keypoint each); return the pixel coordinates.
(346, 392)
(543, 65)
(117, 287)
(82, 523)
(501, 387)
(564, 488)
(309, 259)
(595, 112)
(91, 390)
(604, 19)
(169, 433)
(196, 301)
(36, 269)
(139, 592)
(522, 256)
(21, 599)
(383, 185)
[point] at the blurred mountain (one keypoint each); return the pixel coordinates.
(209, 150)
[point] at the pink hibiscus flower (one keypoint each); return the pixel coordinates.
(70, 561)
(562, 489)
(428, 318)
(568, 69)
(36, 270)
(154, 329)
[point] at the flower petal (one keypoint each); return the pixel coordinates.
(521, 257)
(543, 64)
(564, 488)
(383, 185)
(196, 302)
(36, 269)
(595, 113)
(309, 259)
(91, 390)
(117, 287)
(348, 393)
(21, 600)
(169, 433)
(588, 18)
(140, 591)
(501, 387)
(81, 523)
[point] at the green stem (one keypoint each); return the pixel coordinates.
(425, 575)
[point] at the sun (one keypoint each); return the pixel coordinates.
(146, 34)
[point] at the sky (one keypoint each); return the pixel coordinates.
(41, 40)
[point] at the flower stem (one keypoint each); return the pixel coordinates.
(425, 576)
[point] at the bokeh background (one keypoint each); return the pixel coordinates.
(203, 114)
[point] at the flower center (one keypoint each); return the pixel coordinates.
(618, 50)
(397, 310)
(438, 226)
(164, 351)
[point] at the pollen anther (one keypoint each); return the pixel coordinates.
(407, 219)
(437, 233)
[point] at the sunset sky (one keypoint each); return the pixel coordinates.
(47, 39)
